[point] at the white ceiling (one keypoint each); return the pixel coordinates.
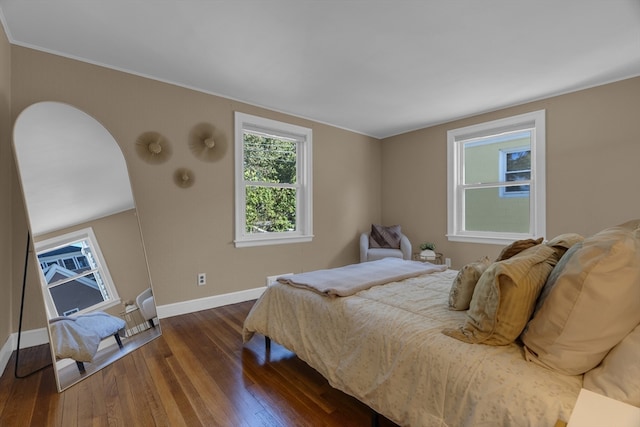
(379, 68)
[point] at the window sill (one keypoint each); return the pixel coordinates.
(489, 240)
(271, 240)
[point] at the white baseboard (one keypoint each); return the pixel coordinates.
(28, 338)
(40, 336)
(185, 307)
(5, 353)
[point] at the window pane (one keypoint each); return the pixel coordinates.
(83, 263)
(269, 159)
(77, 294)
(519, 161)
(516, 189)
(485, 210)
(270, 209)
(517, 176)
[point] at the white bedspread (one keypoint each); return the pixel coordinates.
(350, 279)
(384, 346)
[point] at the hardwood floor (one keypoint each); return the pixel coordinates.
(198, 373)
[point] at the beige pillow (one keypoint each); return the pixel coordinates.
(618, 376)
(505, 296)
(592, 304)
(563, 242)
(517, 247)
(465, 282)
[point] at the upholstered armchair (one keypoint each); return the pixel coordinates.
(372, 252)
(147, 306)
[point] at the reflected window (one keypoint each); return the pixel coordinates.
(76, 277)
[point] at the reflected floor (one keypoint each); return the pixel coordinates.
(68, 373)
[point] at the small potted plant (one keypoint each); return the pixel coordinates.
(428, 251)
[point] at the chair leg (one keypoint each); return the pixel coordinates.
(118, 340)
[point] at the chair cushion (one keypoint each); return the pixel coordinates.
(381, 253)
(385, 237)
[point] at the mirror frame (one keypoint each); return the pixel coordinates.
(36, 124)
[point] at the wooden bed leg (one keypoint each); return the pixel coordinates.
(375, 419)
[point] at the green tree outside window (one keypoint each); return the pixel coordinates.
(271, 175)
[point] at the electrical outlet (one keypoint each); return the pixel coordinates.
(448, 262)
(202, 279)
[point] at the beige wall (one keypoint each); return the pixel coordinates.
(593, 147)
(6, 166)
(188, 231)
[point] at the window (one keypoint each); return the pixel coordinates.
(273, 182)
(515, 165)
(76, 277)
(496, 180)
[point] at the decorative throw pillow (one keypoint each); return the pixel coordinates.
(465, 282)
(385, 237)
(505, 296)
(618, 376)
(593, 304)
(517, 247)
(564, 242)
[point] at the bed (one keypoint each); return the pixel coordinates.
(385, 345)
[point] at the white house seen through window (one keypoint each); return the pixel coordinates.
(76, 277)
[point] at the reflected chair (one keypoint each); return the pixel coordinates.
(147, 306)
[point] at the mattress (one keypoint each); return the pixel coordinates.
(385, 347)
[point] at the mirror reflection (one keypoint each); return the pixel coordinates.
(86, 236)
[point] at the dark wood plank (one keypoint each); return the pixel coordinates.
(198, 373)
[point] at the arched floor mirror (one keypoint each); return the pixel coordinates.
(86, 238)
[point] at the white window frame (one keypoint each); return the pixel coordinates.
(102, 268)
(304, 206)
(455, 181)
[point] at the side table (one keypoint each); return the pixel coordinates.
(439, 259)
